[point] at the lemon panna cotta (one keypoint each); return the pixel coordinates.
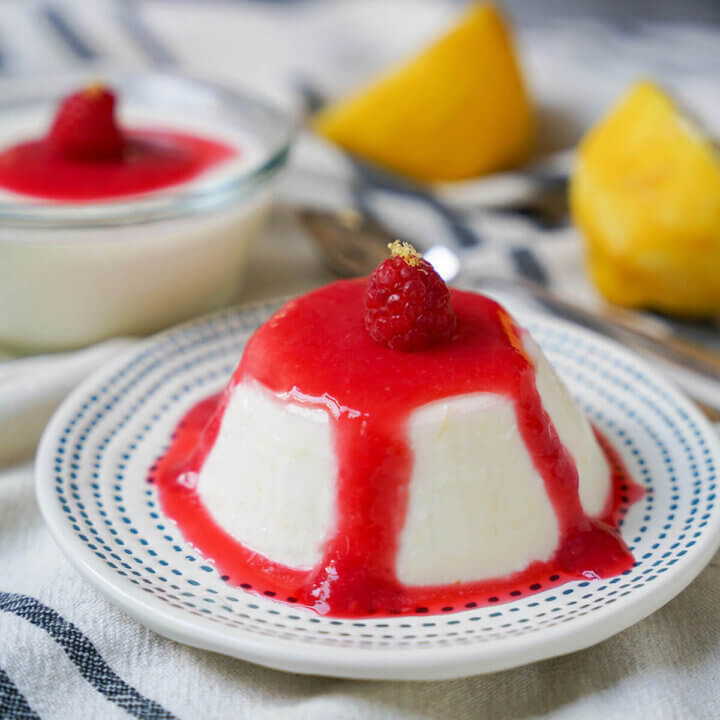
(386, 446)
(128, 206)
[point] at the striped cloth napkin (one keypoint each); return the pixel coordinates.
(64, 651)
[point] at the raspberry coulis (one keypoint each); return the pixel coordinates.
(152, 159)
(317, 351)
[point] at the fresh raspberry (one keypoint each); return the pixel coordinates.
(407, 304)
(84, 127)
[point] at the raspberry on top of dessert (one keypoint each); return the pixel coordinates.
(85, 127)
(407, 304)
(391, 446)
(87, 156)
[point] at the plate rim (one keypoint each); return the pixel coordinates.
(436, 663)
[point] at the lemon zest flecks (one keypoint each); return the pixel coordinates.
(513, 337)
(95, 88)
(404, 250)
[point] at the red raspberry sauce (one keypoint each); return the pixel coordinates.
(317, 349)
(152, 160)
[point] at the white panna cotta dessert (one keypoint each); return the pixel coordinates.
(477, 506)
(100, 246)
(359, 478)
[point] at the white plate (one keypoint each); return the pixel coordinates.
(91, 484)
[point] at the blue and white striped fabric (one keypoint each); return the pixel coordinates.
(67, 653)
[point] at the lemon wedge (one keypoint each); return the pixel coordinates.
(457, 110)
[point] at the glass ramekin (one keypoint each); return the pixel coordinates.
(73, 274)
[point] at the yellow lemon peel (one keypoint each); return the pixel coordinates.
(458, 109)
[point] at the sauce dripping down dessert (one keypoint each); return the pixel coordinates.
(388, 446)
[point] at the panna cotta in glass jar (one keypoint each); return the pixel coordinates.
(127, 204)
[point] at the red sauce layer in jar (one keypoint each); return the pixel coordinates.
(316, 349)
(152, 160)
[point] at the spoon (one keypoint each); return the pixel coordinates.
(352, 244)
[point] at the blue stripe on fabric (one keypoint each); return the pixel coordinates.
(527, 264)
(312, 98)
(377, 179)
(537, 218)
(13, 705)
(83, 654)
(69, 35)
(129, 17)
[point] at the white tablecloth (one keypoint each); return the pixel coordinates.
(65, 652)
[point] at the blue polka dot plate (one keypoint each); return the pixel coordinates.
(93, 463)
